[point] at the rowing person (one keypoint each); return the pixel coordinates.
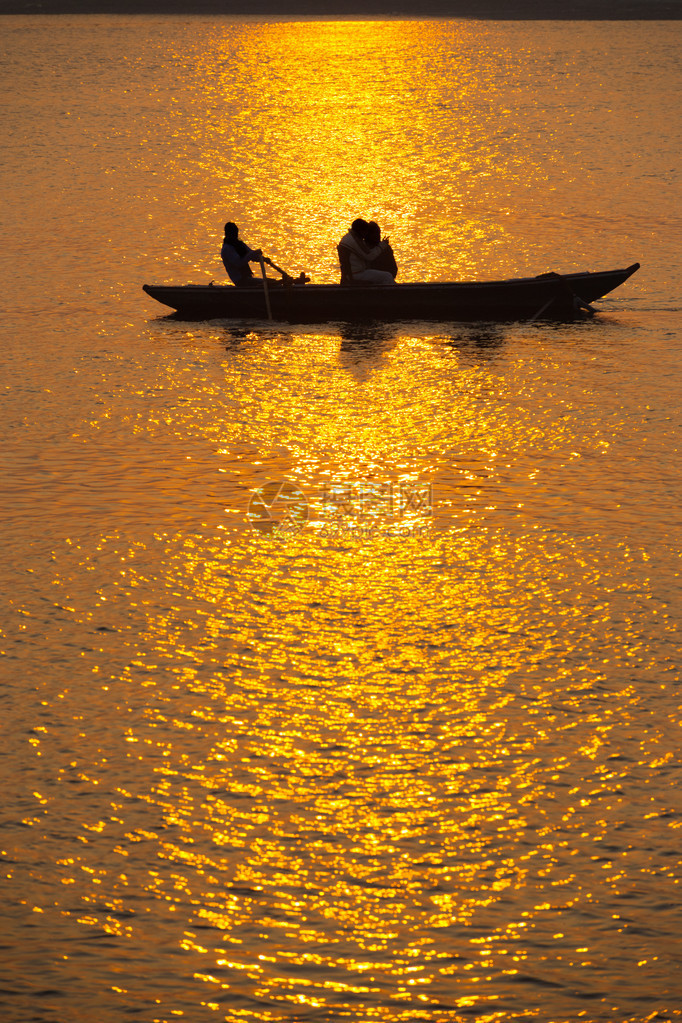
(236, 256)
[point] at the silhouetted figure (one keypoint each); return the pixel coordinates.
(386, 261)
(236, 256)
(356, 257)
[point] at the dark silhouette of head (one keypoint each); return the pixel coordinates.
(359, 227)
(372, 234)
(231, 230)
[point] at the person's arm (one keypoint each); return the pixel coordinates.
(360, 250)
(253, 255)
(378, 250)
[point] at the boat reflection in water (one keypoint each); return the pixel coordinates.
(485, 340)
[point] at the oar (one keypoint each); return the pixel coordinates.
(578, 302)
(265, 288)
(277, 268)
(541, 310)
(302, 278)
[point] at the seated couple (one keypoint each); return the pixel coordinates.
(364, 257)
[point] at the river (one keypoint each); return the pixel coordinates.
(341, 663)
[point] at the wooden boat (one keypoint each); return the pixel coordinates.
(552, 296)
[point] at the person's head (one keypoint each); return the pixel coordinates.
(359, 227)
(372, 234)
(231, 230)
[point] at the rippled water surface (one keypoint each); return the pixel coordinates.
(340, 663)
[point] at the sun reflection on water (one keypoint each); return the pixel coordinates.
(345, 111)
(341, 811)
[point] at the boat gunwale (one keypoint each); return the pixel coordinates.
(539, 280)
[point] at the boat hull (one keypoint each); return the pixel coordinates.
(550, 296)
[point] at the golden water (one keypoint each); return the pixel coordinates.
(413, 754)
